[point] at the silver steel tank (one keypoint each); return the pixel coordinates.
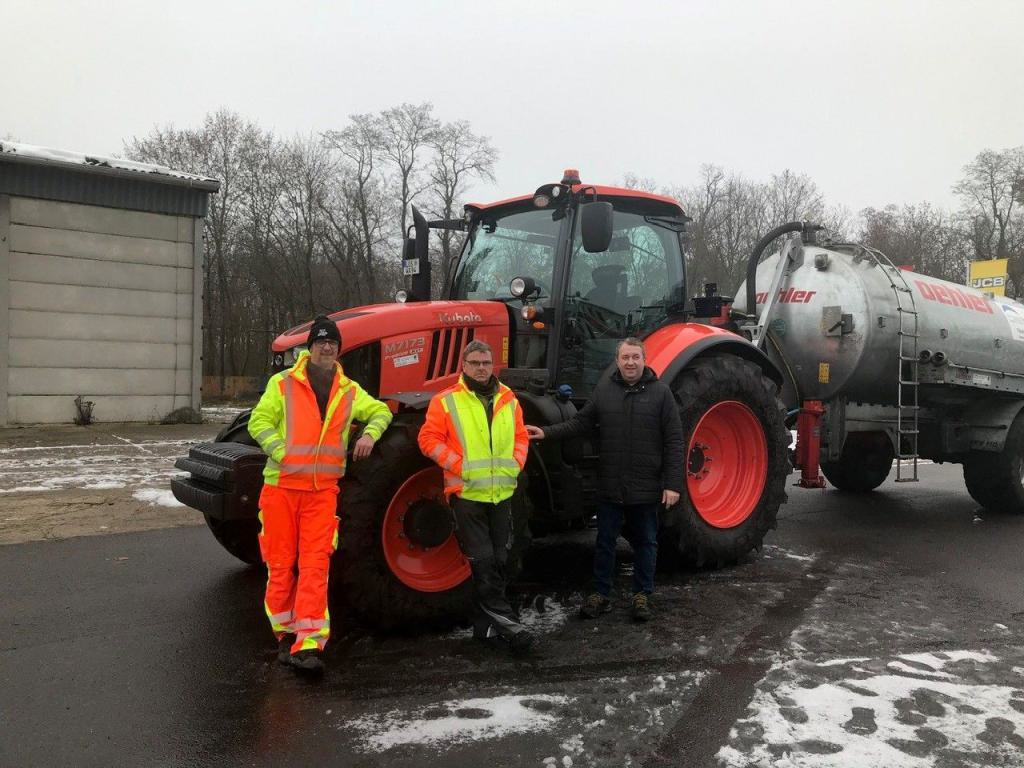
(828, 355)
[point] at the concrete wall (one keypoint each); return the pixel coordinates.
(98, 302)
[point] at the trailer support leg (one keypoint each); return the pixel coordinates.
(808, 444)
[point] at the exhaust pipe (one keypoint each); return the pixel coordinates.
(939, 358)
(925, 356)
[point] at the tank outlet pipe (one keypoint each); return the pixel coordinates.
(939, 358)
(925, 356)
(755, 256)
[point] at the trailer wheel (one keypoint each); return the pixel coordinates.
(398, 561)
(239, 537)
(737, 461)
(996, 480)
(865, 462)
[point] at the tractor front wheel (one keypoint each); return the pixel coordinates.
(399, 563)
(736, 461)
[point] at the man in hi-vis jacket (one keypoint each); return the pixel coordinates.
(302, 423)
(475, 432)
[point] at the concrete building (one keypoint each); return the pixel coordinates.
(100, 287)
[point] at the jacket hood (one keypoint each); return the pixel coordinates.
(645, 378)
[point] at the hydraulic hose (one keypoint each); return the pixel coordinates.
(782, 229)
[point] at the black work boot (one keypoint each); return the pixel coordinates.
(641, 609)
(594, 606)
(521, 640)
(284, 648)
(309, 662)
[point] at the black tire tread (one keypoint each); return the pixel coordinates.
(369, 587)
(994, 479)
(705, 382)
(859, 469)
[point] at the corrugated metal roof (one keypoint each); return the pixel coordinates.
(105, 166)
(87, 180)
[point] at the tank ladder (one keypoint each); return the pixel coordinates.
(907, 425)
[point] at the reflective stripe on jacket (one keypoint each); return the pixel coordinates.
(304, 452)
(481, 462)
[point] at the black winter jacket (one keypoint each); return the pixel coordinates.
(641, 438)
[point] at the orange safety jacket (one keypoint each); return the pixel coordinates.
(481, 461)
(304, 452)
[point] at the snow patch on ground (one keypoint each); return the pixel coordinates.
(542, 622)
(458, 722)
(828, 719)
(100, 466)
(771, 551)
(157, 496)
(221, 414)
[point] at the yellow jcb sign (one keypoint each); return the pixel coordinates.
(989, 276)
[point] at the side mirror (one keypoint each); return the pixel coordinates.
(596, 226)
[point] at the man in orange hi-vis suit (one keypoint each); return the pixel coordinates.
(302, 423)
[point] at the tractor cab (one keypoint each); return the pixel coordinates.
(580, 268)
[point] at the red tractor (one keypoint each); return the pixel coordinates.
(552, 281)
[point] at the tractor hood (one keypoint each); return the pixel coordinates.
(376, 322)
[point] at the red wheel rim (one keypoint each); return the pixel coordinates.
(435, 569)
(726, 464)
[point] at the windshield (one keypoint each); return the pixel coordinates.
(500, 247)
(627, 290)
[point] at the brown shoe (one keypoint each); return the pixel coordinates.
(594, 606)
(641, 609)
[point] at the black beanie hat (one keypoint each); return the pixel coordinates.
(323, 328)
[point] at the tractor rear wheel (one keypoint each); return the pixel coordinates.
(996, 480)
(737, 461)
(399, 563)
(865, 462)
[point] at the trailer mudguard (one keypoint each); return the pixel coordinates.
(988, 422)
(671, 348)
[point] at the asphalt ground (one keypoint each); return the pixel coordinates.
(872, 630)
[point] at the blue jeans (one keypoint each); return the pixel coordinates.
(641, 524)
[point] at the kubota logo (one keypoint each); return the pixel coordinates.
(458, 318)
(788, 296)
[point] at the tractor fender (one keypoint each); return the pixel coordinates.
(673, 347)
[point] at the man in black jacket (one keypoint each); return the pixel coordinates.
(640, 467)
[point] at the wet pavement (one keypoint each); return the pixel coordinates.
(874, 630)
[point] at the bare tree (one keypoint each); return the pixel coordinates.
(459, 156)
(360, 146)
(407, 132)
(919, 236)
(992, 215)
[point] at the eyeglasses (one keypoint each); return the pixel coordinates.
(479, 363)
(325, 343)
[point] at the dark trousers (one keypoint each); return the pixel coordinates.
(485, 534)
(641, 531)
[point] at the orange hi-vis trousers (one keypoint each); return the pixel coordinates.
(300, 532)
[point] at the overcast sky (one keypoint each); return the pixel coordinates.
(878, 102)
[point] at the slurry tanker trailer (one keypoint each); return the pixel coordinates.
(882, 364)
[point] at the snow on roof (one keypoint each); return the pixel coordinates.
(112, 166)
